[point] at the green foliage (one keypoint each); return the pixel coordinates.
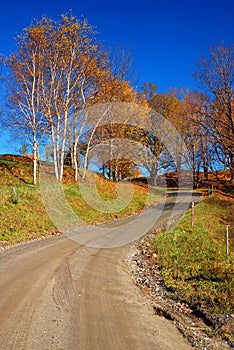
(194, 261)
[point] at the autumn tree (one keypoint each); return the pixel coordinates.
(118, 152)
(94, 76)
(61, 60)
(122, 67)
(167, 105)
(194, 109)
(111, 87)
(25, 79)
(71, 61)
(215, 75)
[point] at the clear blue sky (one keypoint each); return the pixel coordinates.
(166, 37)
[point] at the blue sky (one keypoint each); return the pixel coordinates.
(166, 37)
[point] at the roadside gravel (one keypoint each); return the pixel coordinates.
(195, 325)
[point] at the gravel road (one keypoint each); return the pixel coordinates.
(59, 294)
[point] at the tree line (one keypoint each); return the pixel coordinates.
(60, 71)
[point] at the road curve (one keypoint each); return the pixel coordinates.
(59, 294)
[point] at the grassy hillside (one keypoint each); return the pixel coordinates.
(193, 260)
(23, 216)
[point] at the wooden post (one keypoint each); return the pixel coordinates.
(192, 214)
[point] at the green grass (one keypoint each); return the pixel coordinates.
(193, 260)
(107, 190)
(23, 216)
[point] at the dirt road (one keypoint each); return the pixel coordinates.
(58, 294)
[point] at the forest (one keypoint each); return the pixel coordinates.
(70, 101)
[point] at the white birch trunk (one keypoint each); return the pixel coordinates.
(75, 153)
(63, 147)
(34, 125)
(54, 152)
(35, 160)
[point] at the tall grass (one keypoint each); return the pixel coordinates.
(193, 259)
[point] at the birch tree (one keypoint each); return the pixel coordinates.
(25, 79)
(67, 52)
(94, 73)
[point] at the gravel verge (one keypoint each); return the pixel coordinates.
(198, 326)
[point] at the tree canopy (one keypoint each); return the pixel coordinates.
(60, 70)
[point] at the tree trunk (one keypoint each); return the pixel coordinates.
(74, 152)
(34, 160)
(155, 178)
(55, 156)
(63, 147)
(110, 160)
